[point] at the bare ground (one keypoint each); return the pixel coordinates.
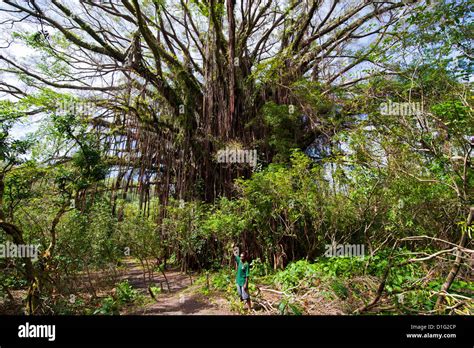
(181, 299)
(186, 298)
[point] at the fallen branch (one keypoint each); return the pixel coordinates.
(274, 291)
(433, 255)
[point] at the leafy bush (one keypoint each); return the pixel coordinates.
(221, 280)
(339, 289)
(294, 273)
(108, 306)
(155, 290)
(88, 238)
(303, 270)
(259, 268)
(286, 306)
(125, 293)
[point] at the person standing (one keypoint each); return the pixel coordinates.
(242, 277)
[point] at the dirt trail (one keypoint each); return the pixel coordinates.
(182, 299)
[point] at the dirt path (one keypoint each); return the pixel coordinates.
(183, 297)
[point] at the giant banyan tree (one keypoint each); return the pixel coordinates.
(175, 81)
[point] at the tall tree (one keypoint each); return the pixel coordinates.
(177, 81)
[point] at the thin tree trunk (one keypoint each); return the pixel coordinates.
(456, 265)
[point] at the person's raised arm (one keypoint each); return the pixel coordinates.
(235, 251)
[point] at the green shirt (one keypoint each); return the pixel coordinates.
(242, 271)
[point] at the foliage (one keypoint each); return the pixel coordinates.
(124, 294)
